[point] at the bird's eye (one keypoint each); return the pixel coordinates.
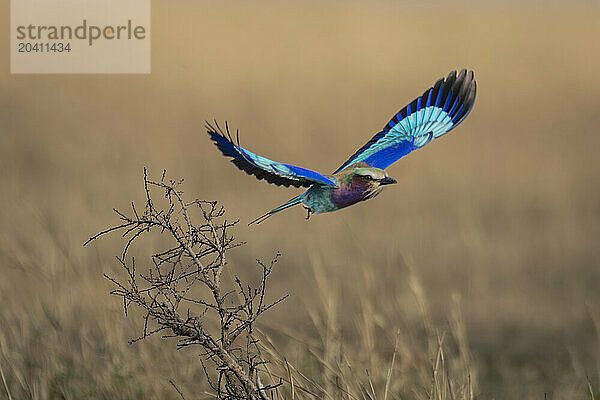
(368, 177)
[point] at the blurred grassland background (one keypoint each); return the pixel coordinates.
(499, 219)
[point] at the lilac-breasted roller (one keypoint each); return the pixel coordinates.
(439, 110)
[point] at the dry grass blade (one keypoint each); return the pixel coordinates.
(388, 379)
(291, 380)
(4, 382)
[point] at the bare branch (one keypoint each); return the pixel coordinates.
(192, 261)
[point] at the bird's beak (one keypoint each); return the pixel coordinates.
(387, 181)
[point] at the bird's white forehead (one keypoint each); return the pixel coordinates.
(374, 172)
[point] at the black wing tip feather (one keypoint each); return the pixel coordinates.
(222, 139)
(458, 92)
(466, 90)
(217, 130)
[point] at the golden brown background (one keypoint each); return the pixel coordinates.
(499, 219)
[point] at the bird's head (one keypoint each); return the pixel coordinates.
(374, 177)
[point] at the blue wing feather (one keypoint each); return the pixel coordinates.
(439, 110)
(261, 167)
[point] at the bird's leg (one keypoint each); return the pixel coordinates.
(309, 211)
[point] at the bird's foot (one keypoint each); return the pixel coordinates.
(309, 211)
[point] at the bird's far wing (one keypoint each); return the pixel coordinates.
(427, 117)
(263, 168)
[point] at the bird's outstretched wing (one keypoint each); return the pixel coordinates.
(263, 168)
(429, 116)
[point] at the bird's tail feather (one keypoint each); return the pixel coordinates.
(292, 202)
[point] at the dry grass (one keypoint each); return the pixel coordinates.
(499, 220)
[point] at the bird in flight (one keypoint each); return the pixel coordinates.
(439, 110)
